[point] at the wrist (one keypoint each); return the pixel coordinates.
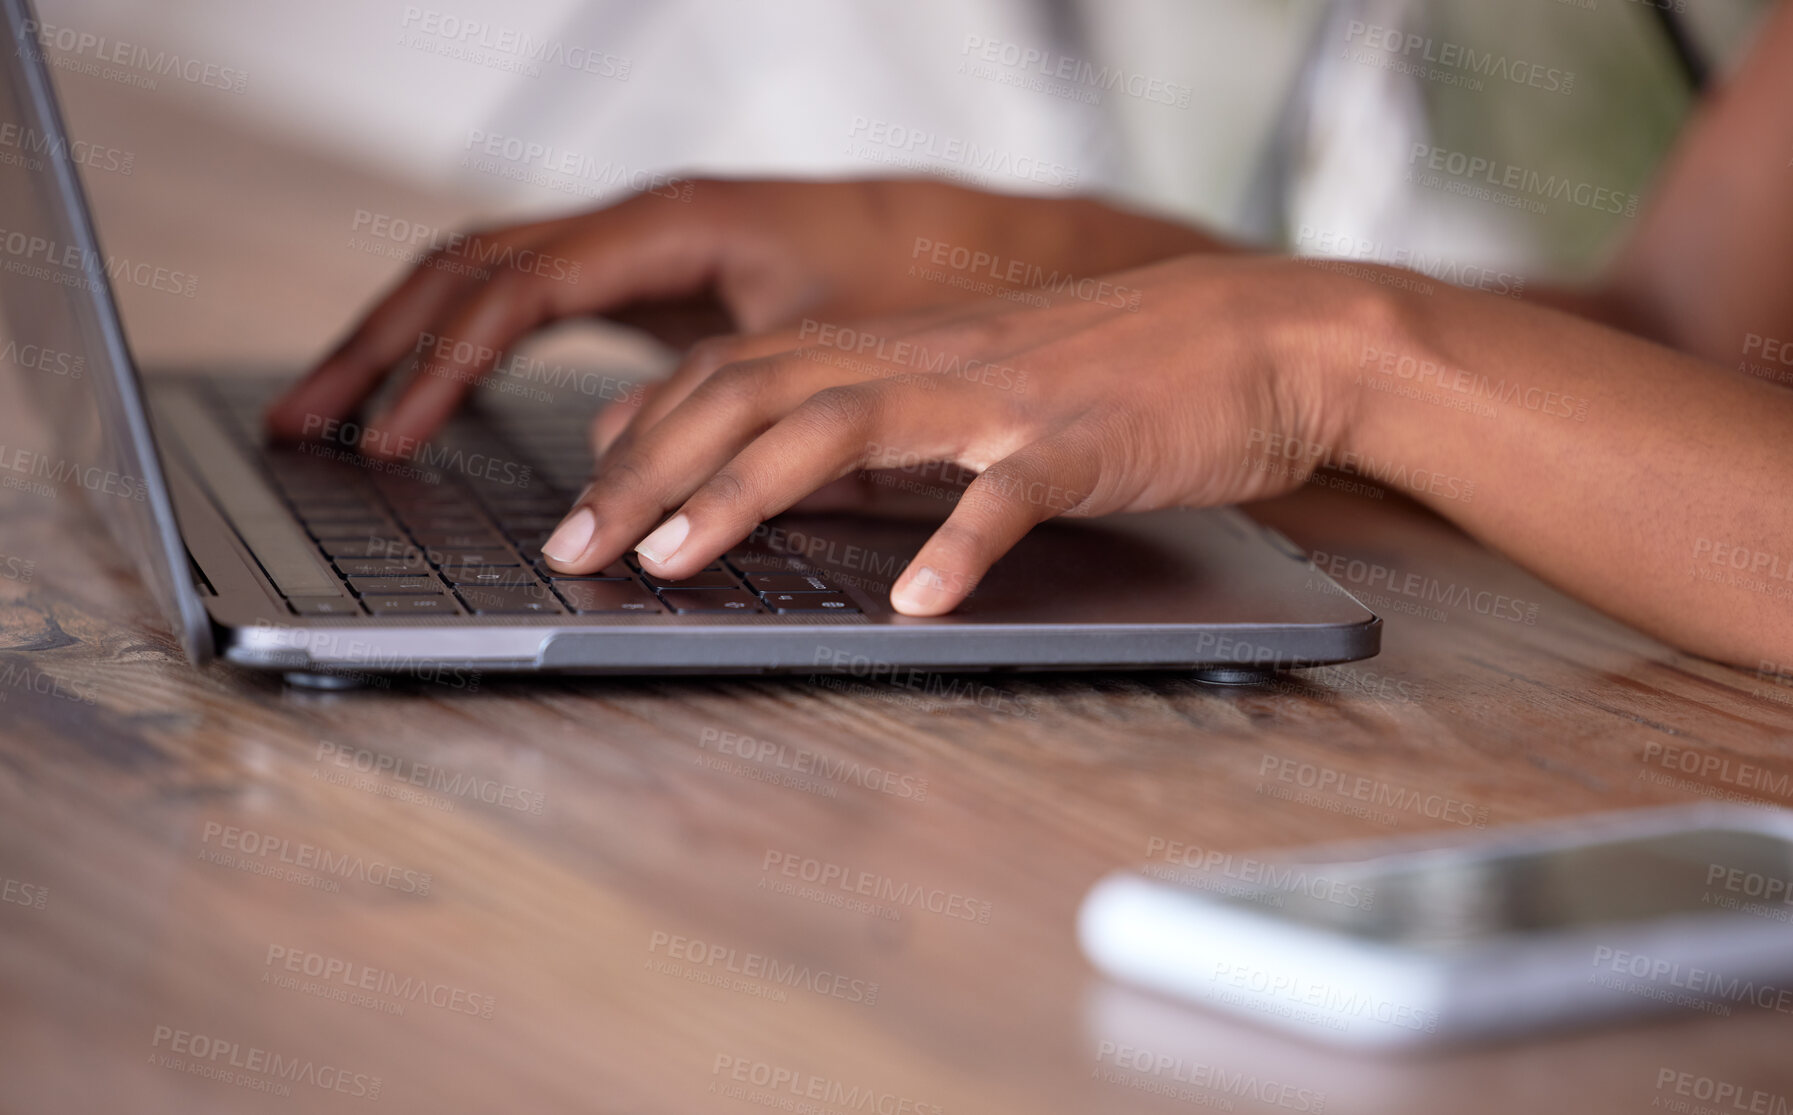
(1403, 405)
(1354, 318)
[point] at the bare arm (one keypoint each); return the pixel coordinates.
(1710, 265)
(1642, 480)
(1665, 503)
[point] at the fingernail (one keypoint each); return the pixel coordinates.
(922, 590)
(571, 537)
(660, 546)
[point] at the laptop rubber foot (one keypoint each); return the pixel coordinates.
(1233, 675)
(300, 679)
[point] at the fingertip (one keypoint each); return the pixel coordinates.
(923, 591)
(288, 418)
(278, 424)
(302, 410)
(662, 545)
(570, 540)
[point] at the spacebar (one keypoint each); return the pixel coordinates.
(264, 522)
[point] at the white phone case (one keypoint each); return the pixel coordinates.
(1248, 960)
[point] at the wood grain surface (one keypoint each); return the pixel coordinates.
(204, 866)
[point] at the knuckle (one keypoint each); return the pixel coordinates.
(735, 383)
(1015, 481)
(987, 497)
(988, 334)
(850, 406)
(728, 488)
(1007, 474)
(626, 476)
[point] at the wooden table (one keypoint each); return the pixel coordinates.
(551, 949)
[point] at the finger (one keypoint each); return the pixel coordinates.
(1035, 483)
(925, 492)
(704, 359)
(635, 485)
(390, 330)
(611, 421)
(834, 432)
(861, 349)
(351, 373)
(634, 256)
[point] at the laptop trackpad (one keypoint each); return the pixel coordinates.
(1160, 567)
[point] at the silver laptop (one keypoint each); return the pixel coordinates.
(329, 567)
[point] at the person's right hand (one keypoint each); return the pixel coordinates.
(746, 256)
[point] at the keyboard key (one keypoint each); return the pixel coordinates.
(530, 523)
(291, 465)
(380, 567)
(328, 494)
(765, 561)
(531, 550)
(339, 502)
(351, 528)
(509, 601)
(412, 489)
(365, 547)
(784, 603)
(461, 518)
(346, 520)
(711, 600)
(615, 571)
(411, 605)
(472, 555)
(788, 582)
(709, 578)
(530, 505)
(435, 506)
(328, 472)
(459, 509)
(437, 537)
(459, 539)
(323, 606)
(494, 576)
(594, 597)
(359, 519)
(506, 479)
(392, 586)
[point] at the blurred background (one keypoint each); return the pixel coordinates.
(1292, 123)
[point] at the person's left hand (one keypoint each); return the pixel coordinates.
(1081, 409)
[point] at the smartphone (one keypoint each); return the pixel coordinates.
(1512, 930)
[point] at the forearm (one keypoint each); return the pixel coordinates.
(1648, 483)
(1027, 240)
(1711, 263)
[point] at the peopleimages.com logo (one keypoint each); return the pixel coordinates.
(107, 57)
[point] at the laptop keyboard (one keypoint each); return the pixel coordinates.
(466, 540)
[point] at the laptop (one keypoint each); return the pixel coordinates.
(328, 567)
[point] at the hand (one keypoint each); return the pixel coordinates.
(1080, 409)
(750, 256)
